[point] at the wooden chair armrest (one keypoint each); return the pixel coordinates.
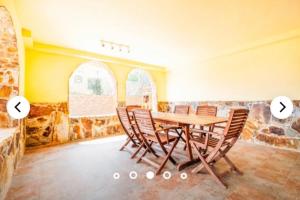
(166, 131)
(217, 126)
(208, 132)
(162, 130)
(162, 126)
(168, 127)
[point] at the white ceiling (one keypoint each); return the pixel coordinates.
(164, 32)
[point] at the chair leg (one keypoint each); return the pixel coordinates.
(138, 150)
(168, 156)
(153, 152)
(180, 135)
(208, 168)
(232, 166)
(145, 152)
(166, 152)
(129, 138)
(197, 169)
(124, 145)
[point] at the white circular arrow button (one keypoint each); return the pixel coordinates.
(18, 107)
(282, 107)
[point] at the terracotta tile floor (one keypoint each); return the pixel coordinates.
(84, 171)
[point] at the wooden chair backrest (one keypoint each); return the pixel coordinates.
(236, 122)
(182, 109)
(130, 108)
(144, 121)
(206, 110)
(124, 119)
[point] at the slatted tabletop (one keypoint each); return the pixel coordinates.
(190, 119)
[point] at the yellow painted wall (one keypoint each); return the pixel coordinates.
(10, 6)
(48, 69)
(258, 73)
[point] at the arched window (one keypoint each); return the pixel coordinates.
(140, 88)
(92, 90)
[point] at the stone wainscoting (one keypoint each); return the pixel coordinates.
(261, 126)
(50, 124)
(12, 146)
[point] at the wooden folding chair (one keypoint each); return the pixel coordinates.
(150, 135)
(215, 146)
(182, 109)
(206, 110)
(174, 127)
(130, 129)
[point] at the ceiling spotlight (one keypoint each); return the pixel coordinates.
(115, 46)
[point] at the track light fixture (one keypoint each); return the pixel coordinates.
(115, 46)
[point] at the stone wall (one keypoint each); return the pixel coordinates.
(47, 124)
(11, 133)
(261, 126)
(50, 124)
(94, 127)
(12, 146)
(9, 66)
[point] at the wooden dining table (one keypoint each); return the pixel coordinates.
(185, 121)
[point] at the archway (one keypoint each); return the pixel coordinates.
(92, 90)
(139, 85)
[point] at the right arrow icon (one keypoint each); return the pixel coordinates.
(283, 106)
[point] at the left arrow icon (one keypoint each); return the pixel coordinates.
(16, 106)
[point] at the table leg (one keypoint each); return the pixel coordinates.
(191, 160)
(188, 145)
